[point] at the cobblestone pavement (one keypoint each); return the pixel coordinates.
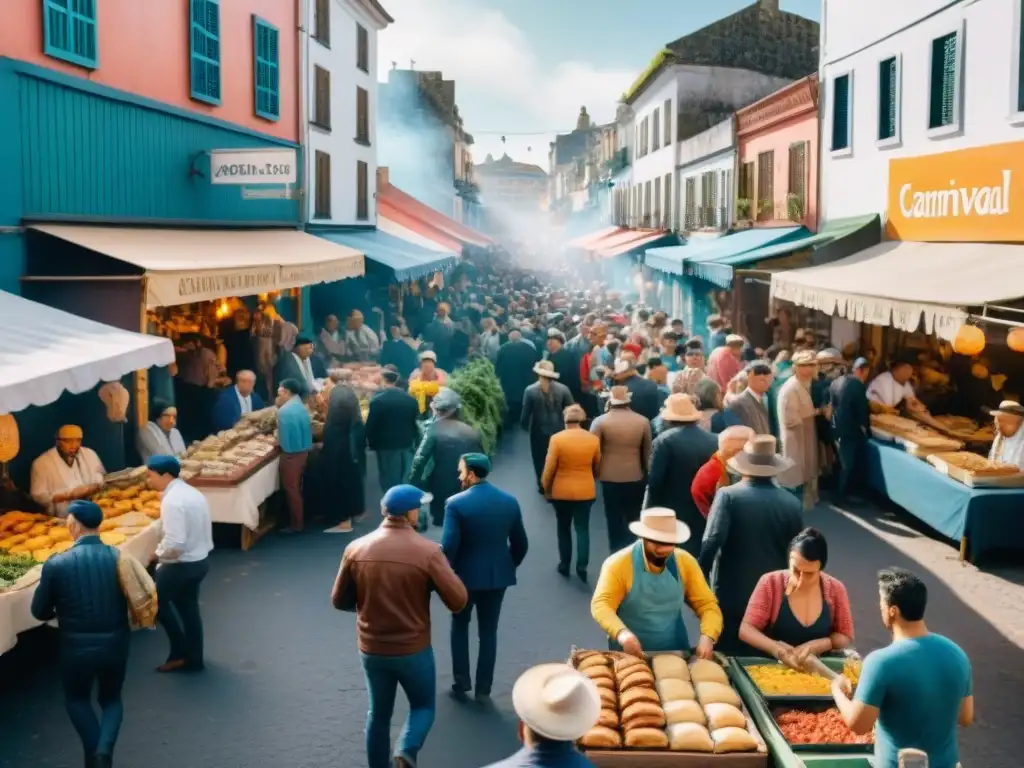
(283, 686)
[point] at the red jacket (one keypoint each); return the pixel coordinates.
(707, 481)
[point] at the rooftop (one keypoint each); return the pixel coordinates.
(506, 164)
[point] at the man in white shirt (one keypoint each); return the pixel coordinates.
(1008, 447)
(182, 562)
(66, 472)
(892, 388)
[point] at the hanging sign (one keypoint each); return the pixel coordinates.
(253, 166)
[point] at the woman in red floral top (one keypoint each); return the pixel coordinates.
(802, 611)
(713, 475)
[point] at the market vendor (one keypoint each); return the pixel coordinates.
(891, 390)
(361, 342)
(642, 590)
(801, 611)
(66, 472)
(331, 342)
(428, 370)
(301, 365)
(160, 436)
(1008, 447)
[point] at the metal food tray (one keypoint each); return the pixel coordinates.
(921, 451)
(973, 481)
(741, 663)
(814, 705)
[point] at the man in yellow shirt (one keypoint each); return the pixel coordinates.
(642, 590)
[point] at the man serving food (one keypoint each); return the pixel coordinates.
(643, 588)
(66, 472)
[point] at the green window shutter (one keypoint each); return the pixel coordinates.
(268, 91)
(887, 92)
(841, 113)
(69, 31)
(942, 97)
(204, 51)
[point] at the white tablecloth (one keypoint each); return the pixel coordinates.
(240, 504)
(16, 607)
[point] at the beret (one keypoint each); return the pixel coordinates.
(401, 499)
(302, 339)
(88, 513)
(164, 465)
(294, 386)
(477, 462)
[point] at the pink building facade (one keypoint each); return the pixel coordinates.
(777, 140)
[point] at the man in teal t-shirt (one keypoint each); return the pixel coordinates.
(918, 689)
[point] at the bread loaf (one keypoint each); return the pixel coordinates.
(594, 673)
(608, 718)
(724, 716)
(704, 671)
(633, 695)
(608, 698)
(689, 737)
(733, 740)
(647, 738)
(600, 737)
(716, 693)
(634, 677)
(626, 662)
(642, 709)
(674, 690)
(604, 682)
(593, 661)
(669, 666)
(650, 721)
(684, 711)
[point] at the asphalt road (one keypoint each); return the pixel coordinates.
(283, 687)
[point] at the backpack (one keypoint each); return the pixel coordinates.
(139, 590)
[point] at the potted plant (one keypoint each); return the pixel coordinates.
(743, 209)
(765, 208)
(794, 207)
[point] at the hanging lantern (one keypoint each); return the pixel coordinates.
(979, 371)
(970, 341)
(116, 399)
(1015, 339)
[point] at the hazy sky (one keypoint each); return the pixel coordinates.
(523, 68)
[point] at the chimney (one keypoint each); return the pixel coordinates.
(383, 179)
(772, 6)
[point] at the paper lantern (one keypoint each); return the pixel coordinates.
(970, 341)
(10, 441)
(979, 371)
(1015, 339)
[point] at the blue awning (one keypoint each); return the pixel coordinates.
(408, 260)
(703, 264)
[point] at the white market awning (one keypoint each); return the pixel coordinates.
(188, 265)
(901, 284)
(45, 352)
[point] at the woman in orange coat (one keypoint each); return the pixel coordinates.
(573, 458)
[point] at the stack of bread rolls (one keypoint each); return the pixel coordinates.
(723, 714)
(631, 713)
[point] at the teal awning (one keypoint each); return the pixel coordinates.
(721, 270)
(670, 258)
(408, 260)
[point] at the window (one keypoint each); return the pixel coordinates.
(690, 204)
(888, 100)
(322, 193)
(362, 115)
(746, 191)
(656, 131)
(944, 92)
(766, 186)
(647, 204)
(667, 132)
(657, 202)
(362, 48)
(268, 93)
(668, 201)
(708, 199)
(322, 21)
(842, 97)
(322, 104)
(69, 31)
(796, 200)
(362, 191)
(204, 51)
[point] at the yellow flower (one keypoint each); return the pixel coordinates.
(421, 390)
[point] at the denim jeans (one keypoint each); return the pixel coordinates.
(177, 586)
(573, 515)
(417, 676)
(488, 608)
(98, 661)
(393, 468)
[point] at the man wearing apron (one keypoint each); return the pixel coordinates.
(642, 590)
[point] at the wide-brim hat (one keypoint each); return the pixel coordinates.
(619, 396)
(556, 701)
(827, 356)
(680, 408)
(546, 369)
(1009, 407)
(759, 459)
(804, 357)
(660, 524)
(734, 338)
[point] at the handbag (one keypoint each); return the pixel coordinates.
(139, 590)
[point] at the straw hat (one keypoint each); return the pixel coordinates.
(660, 524)
(759, 459)
(804, 357)
(546, 369)
(556, 702)
(619, 396)
(680, 408)
(830, 355)
(1009, 407)
(733, 339)
(428, 354)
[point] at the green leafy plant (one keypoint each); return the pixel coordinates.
(795, 206)
(483, 402)
(765, 207)
(743, 208)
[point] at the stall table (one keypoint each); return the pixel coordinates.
(981, 519)
(241, 500)
(16, 605)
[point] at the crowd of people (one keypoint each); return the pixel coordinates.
(707, 453)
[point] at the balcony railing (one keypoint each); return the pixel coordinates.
(706, 217)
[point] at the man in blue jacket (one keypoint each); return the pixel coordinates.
(851, 421)
(234, 402)
(81, 588)
(485, 541)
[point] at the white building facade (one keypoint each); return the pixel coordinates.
(705, 179)
(339, 110)
(912, 79)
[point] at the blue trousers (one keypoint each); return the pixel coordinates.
(177, 587)
(393, 468)
(417, 676)
(94, 661)
(488, 608)
(848, 449)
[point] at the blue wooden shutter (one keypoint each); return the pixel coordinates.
(268, 92)
(69, 31)
(204, 50)
(887, 93)
(841, 112)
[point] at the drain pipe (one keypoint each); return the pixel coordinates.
(303, 127)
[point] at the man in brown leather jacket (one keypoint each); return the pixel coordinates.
(386, 577)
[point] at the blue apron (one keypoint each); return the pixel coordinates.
(653, 608)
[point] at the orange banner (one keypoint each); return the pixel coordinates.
(963, 196)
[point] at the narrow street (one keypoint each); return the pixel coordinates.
(283, 685)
